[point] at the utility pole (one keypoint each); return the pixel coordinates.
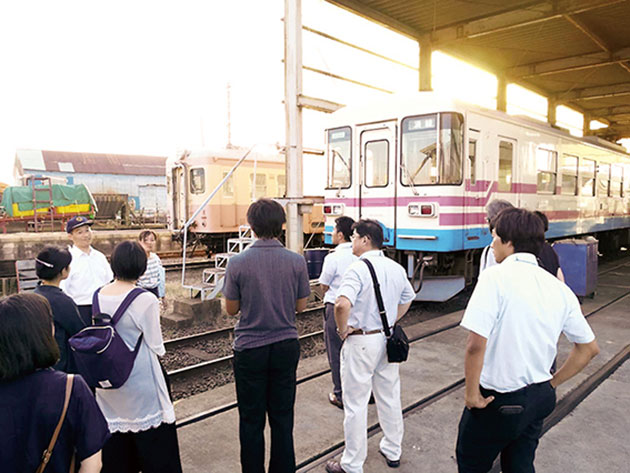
(293, 117)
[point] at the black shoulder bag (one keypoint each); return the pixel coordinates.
(397, 341)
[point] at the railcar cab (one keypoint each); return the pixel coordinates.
(410, 173)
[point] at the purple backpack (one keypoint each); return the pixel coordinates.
(101, 355)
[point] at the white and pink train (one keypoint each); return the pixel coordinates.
(426, 167)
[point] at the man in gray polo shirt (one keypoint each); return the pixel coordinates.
(267, 283)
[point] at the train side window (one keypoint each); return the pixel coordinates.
(603, 180)
(569, 169)
(587, 177)
(547, 169)
(616, 181)
(626, 180)
(261, 184)
(376, 157)
(472, 158)
(228, 186)
(339, 151)
(506, 154)
(197, 180)
(282, 185)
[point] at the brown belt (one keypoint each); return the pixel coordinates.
(361, 332)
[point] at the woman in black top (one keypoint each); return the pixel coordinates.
(32, 396)
(548, 258)
(53, 266)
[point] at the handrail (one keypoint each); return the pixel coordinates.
(202, 206)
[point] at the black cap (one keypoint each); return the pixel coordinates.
(76, 222)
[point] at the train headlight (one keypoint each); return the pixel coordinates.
(333, 209)
(421, 210)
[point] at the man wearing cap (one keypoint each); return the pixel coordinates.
(89, 270)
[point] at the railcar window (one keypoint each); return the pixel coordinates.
(603, 180)
(546, 163)
(261, 184)
(587, 177)
(626, 180)
(423, 162)
(339, 153)
(506, 154)
(228, 186)
(472, 158)
(616, 181)
(282, 185)
(197, 181)
(376, 163)
(569, 169)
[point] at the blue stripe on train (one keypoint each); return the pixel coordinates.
(448, 240)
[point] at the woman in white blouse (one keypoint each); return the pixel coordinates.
(140, 413)
(153, 278)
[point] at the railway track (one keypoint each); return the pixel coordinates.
(564, 406)
(422, 331)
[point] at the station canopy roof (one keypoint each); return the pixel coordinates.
(575, 52)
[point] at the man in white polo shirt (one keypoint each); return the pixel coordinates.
(364, 364)
(515, 317)
(89, 269)
(335, 265)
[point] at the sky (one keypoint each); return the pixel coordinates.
(150, 77)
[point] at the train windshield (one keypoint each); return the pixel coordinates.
(339, 158)
(432, 149)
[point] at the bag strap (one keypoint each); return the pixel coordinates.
(124, 305)
(95, 307)
(48, 452)
(379, 298)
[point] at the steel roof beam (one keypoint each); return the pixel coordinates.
(568, 64)
(611, 111)
(359, 8)
(526, 15)
(593, 37)
(594, 93)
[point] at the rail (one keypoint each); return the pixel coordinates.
(203, 206)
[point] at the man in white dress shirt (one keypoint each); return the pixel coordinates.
(515, 317)
(364, 364)
(335, 265)
(494, 208)
(89, 269)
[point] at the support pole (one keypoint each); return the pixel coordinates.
(293, 117)
(551, 111)
(586, 129)
(425, 67)
(501, 94)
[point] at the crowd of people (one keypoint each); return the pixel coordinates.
(518, 309)
(51, 419)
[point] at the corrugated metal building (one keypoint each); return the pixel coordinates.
(142, 178)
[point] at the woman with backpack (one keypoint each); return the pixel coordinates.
(38, 401)
(52, 266)
(139, 413)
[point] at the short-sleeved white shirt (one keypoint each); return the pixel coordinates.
(335, 265)
(88, 272)
(357, 286)
(521, 310)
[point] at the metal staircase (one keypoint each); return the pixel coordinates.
(213, 278)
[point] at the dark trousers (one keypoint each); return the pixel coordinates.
(333, 347)
(510, 425)
(85, 311)
(149, 451)
(265, 384)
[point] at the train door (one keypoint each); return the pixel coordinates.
(377, 180)
(227, 199)
(178, 190)
(477, 189)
